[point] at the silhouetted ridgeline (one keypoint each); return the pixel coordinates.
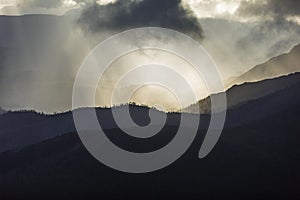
(241, 94)
(19, 129)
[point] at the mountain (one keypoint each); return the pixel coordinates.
(257, 155)
(241, 94)
(23, 128)
(275, 67)
(260, 81)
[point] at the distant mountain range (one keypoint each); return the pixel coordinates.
(253, 101)
(275, 67)
(260, 81)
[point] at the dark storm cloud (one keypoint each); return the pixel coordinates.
(126, 14)
(277, 9)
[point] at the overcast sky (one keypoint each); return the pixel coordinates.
(40, 55)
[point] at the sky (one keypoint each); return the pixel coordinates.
(42, 53)
(241, 10)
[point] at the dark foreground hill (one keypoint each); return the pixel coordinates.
(260, 160)
(257, 156)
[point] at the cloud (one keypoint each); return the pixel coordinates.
(40, 3)
(277, 10)
(127, 14)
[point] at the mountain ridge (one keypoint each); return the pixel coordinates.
(279, 82)
(33, 127)
(240, 94)
(277, 66)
